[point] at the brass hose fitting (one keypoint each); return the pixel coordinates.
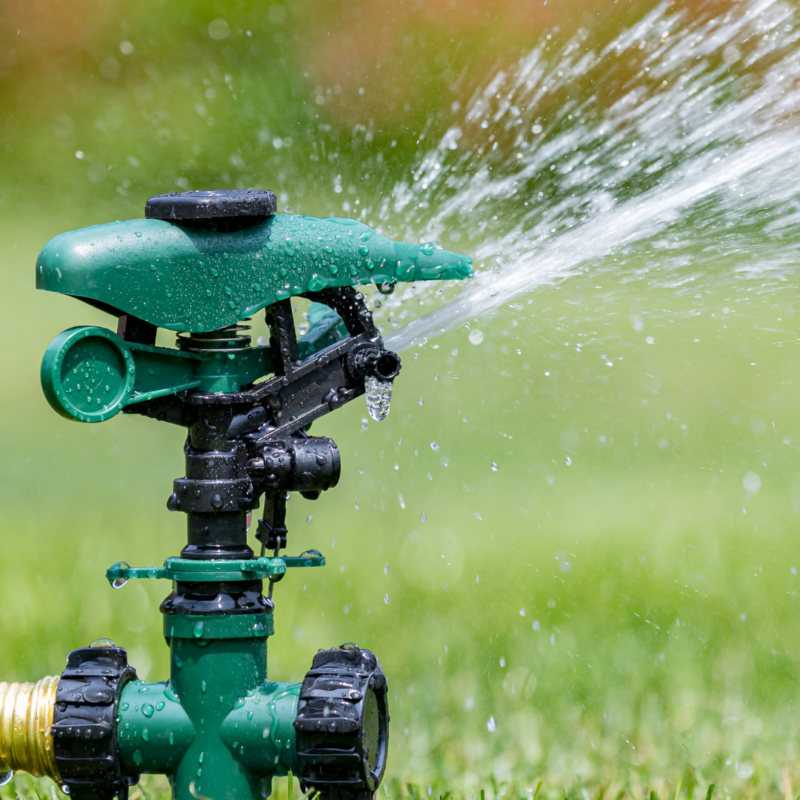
(26, 714)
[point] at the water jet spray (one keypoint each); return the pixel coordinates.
(200, 264)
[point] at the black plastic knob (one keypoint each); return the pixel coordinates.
(247, 206)
(342, 724)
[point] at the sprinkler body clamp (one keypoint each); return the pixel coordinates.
(199, 264)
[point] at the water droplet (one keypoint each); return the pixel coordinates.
(203, 687)
(386, 599)
(751, 482)
(148, 710)
(502, 661)
(138, 759)
(434, 445)
(5, 778)
(494, 467)
(102, 643)
(146, 735)
(491, 725)
(475, 337)
(118, 583)
(198, 629)
(379, 398)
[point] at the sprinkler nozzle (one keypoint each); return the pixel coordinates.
(374, 362)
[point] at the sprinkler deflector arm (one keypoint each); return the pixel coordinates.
(199, 264)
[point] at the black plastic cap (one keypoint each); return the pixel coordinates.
(342, 725)
(218, 204)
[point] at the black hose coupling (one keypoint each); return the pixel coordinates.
(342, 724)
(84, 726)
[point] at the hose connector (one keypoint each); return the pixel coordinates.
(26, 717)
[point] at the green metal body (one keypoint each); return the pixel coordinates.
(218, 708)
(193, 280)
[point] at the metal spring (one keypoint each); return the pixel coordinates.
(225, 340)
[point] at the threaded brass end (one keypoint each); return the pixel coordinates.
(26, 714)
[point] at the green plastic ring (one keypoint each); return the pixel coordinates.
(88, 374)
(222, 626)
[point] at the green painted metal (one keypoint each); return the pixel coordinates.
(218, 708)
(186, 569)
(194, 280)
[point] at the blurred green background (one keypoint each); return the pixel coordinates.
(577, 565)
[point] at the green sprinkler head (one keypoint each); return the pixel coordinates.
(200, 264)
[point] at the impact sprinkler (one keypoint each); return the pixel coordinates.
(200, 264)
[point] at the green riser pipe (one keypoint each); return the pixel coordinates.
(218, 728)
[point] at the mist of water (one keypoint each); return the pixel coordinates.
(674, 148)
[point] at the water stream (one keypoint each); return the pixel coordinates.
(673, 148)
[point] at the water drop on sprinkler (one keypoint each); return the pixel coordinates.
(379, 398)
